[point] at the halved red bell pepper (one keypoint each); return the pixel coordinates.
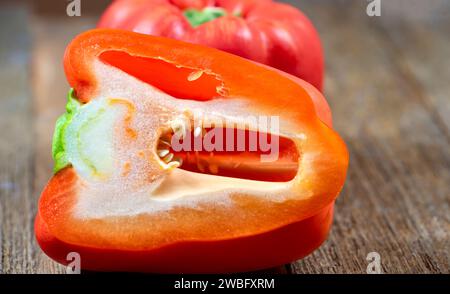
(121, 196)
(265, 31)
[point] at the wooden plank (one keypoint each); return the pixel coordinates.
(395, 201)
(423, 50)
(17, 204)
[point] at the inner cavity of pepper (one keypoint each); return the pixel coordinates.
(229, 152)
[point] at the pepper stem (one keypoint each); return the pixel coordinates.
(199, 17)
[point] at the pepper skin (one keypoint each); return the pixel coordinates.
(123, 209)
(268, 32)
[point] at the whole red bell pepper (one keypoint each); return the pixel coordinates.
(265, 31)
(126, 199)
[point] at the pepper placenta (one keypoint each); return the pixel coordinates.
(126, 198)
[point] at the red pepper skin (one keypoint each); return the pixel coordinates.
(268, 32)
(299, 240)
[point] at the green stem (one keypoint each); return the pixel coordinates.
(199, 17)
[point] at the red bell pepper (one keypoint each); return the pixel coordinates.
(268, 32)
(125, 201)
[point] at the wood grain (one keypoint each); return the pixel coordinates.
(395, 201)
(17, 202)
(387, 83)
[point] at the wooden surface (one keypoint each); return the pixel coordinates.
(387, 81)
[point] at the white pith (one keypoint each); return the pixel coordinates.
(148, 184)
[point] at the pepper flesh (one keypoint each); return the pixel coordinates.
(287, 229)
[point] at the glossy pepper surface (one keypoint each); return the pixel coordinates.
(266, 31)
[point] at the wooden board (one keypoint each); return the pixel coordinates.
(387, 80)
(17, 201)
(390, 107)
